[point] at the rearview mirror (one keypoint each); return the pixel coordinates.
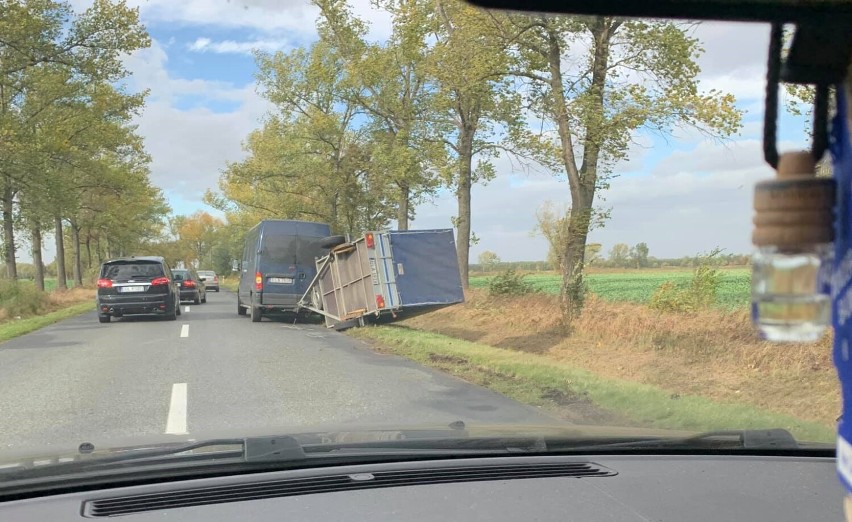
(202, 279)
(235, 266)
(733, 10)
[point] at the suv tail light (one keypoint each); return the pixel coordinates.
(160, 281)
(104, 283)
(258, 281)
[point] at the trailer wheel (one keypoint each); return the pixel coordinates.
(332, 241)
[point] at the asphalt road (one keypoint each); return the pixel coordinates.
(214, 373)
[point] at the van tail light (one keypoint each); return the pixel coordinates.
(370, 240)
(160, 281)
(189, 284)
(258, 281)
(380, 301)
(104, 283)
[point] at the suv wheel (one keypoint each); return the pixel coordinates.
(204, 299)
(172, 316)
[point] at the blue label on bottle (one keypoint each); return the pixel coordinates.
(841, 296)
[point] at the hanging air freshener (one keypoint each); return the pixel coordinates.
(794, 234)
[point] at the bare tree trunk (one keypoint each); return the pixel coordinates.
(61, 278)
(402, 210)
(582, 181)
(89, 250)
(9, 230)
(78, 263)
(463, 220)
(37, 257)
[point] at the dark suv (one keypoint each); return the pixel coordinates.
(137, 286)
(192, 287)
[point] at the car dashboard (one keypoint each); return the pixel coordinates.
(547, 488)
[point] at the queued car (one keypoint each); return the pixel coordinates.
(211, 279)
(192, 286)
(136, 286)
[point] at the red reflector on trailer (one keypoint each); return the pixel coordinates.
(370, 240)
(380, 301)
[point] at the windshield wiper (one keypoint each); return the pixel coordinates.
(771, 439)
(283, 449)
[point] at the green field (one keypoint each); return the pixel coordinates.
(638, 286)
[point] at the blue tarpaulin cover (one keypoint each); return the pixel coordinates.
(841, 283)
(426, 267)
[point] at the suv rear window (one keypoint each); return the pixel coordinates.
(132, 270)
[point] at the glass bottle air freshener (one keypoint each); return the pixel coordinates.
(793, 233)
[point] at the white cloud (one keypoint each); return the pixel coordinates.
(203, 45)
(190, 146)
(295, 19)
(691, 202)
(731, 47)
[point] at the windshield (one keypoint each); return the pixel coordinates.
(528, 223)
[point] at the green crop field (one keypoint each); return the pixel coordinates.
(639, 285)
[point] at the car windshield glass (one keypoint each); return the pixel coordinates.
(399, 217)
(132, 270)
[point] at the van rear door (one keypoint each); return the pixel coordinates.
(287, 261)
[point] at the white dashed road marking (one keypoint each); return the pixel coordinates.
(184, 330)
(176, 422)
(187, 309)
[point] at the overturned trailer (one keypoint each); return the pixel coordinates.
(385, 276)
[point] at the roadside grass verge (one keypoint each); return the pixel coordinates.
(229, 283)
(18, 327)
(555, 386)
(713, 353)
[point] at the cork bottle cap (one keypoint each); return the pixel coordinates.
(795, 209)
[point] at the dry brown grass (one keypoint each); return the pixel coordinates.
(713, 353)
(62, 298)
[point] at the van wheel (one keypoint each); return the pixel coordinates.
(255, 314)
(332, 241)
(104, 318)
(240, 309)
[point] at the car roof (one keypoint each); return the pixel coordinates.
(156, 259)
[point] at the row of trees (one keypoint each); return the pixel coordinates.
(620, 256)
(365, 131)
(71, 162)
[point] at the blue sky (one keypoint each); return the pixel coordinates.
(681, 195)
